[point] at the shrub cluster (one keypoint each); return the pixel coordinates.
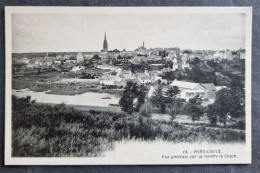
(61, 131)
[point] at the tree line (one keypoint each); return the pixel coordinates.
(229, 103)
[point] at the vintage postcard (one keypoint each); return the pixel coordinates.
(128, 85)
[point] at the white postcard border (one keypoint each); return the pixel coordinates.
(9, 160)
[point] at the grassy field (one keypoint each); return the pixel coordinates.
(187, 121)
(40, 130)
(38, 82)
(27, 81)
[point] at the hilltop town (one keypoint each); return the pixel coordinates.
(194, 72)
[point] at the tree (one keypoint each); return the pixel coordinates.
(168, 64)
(194, 108)
(228, 102)
(217, 67)
(236, 84)
(126, 102)
(172, 101)
(195, 62)
(159, 81)
(237, 107)
(234, 98)
(96, 58)
(223, 102)
(72, 58)
(172, 91)
(158, 99)
(212, 113)
(200, 76)
(141, 93)
(169, 75)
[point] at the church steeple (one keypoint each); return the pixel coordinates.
(105, 45)
(143, 43)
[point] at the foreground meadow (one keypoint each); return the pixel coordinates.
(40, 130)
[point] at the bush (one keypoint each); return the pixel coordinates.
(239, 125)
(213, 120)
(172, 113)
(146, 110)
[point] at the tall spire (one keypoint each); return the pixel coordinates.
(105, 45)
(143, 43)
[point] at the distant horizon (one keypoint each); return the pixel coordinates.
(127, 50)
(85, 32)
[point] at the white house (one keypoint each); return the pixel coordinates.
(75, 69)
(108, 79)
(80, 57)
(57, 62)
(65, 57)
(127, 74)
(25, 60)
(241, 53)
(190, 90)
(219, 54)
(209, 98)
(145, 80)
(184, 66)
(226, 54)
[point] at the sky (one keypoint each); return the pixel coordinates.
(85, 32)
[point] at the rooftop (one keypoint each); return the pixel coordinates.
(193, 85)
(184, 84)
(209, 86)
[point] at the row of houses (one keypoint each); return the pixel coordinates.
(42, 62)
(202, 54)
(141, 78)
(227, 54)
(205, 91)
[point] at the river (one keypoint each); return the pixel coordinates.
(86, 99)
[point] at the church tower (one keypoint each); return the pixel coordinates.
(105, 46)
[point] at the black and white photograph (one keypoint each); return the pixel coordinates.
(128, 85)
